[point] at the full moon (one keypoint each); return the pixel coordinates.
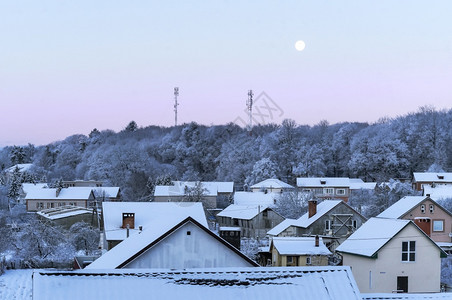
(300, 45)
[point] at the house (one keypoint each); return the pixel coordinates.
(427, 214)
(254, 221)
(431, 179)
(39, 199)
(298, 251)
(334, 220)
(272, 185)
(320, 283)
(171, 237)
(214, 194)
(27, 187)
(393, 255)
(122, 219)
(66, 216)
(333, 187)
(255, 198)
(107, 193)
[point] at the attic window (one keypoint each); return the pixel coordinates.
(189, 232)
(432, 208)
(423, 208)
(440, 177)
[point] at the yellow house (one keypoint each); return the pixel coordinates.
(298, 251)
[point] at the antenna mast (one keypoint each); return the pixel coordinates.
(176, 93)
(249, 106)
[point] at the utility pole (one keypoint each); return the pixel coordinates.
(176, 93)
(249, 106)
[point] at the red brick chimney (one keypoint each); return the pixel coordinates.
(312, 207)
(316, 240)
(128, 219)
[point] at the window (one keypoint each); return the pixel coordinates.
(432, 208)
(265, 213)
(328, 225)
(289, 259)
(188, 232)
(423, 208)
(340, 192)
(328, 191)
(308, 260)
(306, 190)
(409, 251)
(438, 225)
(354, 224)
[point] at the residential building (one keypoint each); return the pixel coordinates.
(82, 183)
(214, 194)
(123, 219)
(254, 221)
(298, 251)
(272, 185)
(66, 216)
(427, 214)
(39, 199)
(334, 220)
(255, 198)
(393, 255)
(439, 192)
(421, 179)
(335, 283)
(169, 240)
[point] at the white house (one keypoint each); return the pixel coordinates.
(169, 239)
(43, 198)
(271, 185)
(393, 255)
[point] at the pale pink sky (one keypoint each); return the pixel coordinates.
(66, 68)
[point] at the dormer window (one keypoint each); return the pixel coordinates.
(423, 208)
(440, 177)
(322, 181)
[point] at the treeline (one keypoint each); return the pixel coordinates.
(136, 157)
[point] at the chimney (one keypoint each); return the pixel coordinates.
(312, 207)
(316, 240)
(128, 220)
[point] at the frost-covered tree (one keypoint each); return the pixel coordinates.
(84, 237)
(195, 193)
(292, 205)
(262, 169)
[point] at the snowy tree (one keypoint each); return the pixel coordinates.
(262, 169)
(17, 155)
(292, 205)
(84, 237)
(195, 193)
(131, 127)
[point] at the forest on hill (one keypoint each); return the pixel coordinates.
(136, 157)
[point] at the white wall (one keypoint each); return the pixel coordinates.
(197, 250)
(423, 274)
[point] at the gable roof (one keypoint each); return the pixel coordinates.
(255, 198)
(132, 247)
(304, 221)
(70, 193)
(242, 211)
(272, 183)
(110, 191)
(432, 177)
(152, 215)
(319, 283)
(27, 187)
(299, 246)
(374, 234)
(439, 192)
(212, 188)
(401, 207)
(328, 182)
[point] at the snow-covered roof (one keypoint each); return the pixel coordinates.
(387, 296)
(241, 211)
(299, 246)
(401, 207)
(281, 227)
(304, 221)
(432, 177)
(256, 198)
(362, 185)
(22, 168)
(27, 187)
(272, 183)
(323, 182)
(226, 228)
(70, 193)
(63, 212)
(439, 192)
(372, 236)
(320, 283)
(110, 191)
(212, 188)
(152, 215)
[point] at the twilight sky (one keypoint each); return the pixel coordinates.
(67, 67)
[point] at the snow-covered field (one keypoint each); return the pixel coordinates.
(16, 284)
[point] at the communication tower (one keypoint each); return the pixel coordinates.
(176, 93)
(249, 106)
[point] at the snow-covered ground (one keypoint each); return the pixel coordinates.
(16, 284)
